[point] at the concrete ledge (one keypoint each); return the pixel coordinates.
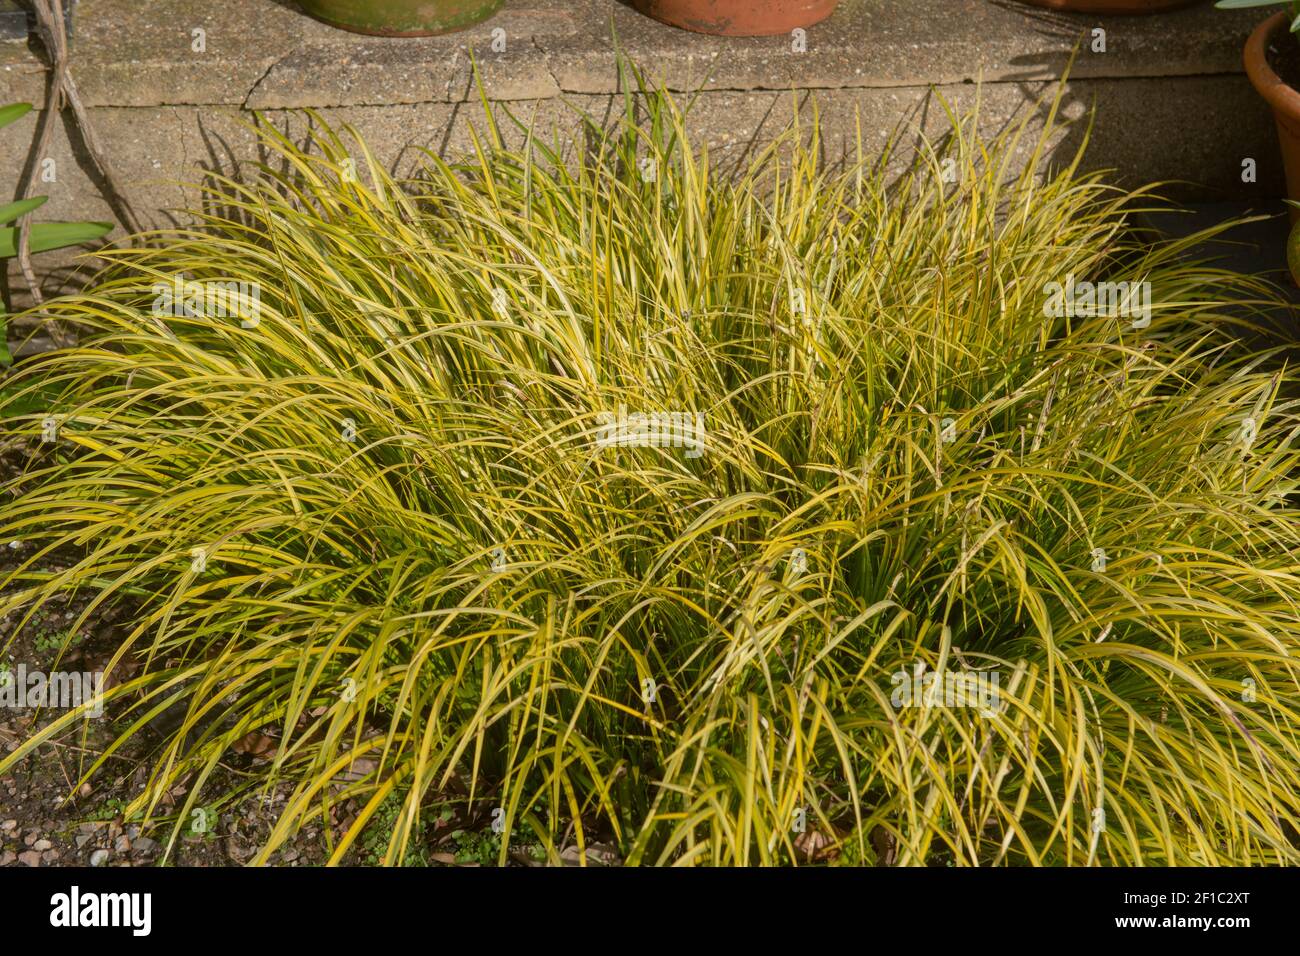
(264, 54)
(1172, 101)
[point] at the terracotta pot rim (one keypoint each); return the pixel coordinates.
(1277, 92)
(675, 16)
(313, 10)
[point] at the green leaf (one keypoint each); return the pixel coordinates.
(52, 235)
(12, 112)
(16, 210)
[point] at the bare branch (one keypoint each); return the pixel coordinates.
(62, 91)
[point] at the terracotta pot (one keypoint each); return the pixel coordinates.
(1284, 100)
(1123, 7)
(401, 18)
(739, 18)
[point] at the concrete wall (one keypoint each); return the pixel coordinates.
(1172, 102)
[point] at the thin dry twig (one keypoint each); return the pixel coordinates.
(53, 107)
(56, 29)
(62, 92)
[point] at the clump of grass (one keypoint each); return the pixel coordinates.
(380, 524)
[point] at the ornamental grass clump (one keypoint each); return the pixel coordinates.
(791, 514)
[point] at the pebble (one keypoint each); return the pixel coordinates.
(85, 833)
(29, 839)
(29, 858)
(145, 845)
(8, 825)
(49, 856)
(123, 844)
(99, 858)
(42, 845)
(7, 857)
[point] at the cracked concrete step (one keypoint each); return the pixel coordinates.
(264, 54)
(1172, 103)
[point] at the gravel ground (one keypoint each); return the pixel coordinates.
(52, 815)
(48, 819)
